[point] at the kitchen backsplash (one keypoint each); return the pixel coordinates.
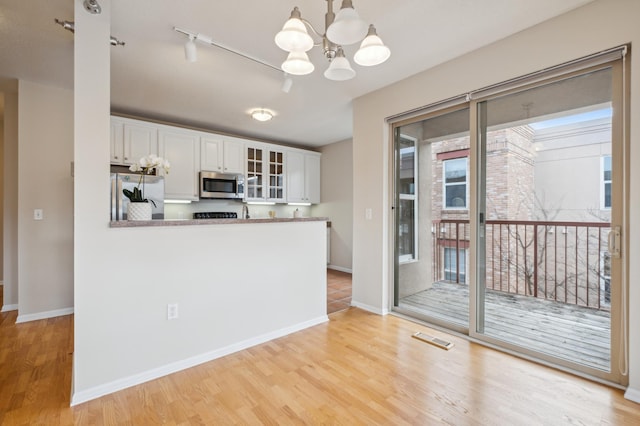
(185, 211)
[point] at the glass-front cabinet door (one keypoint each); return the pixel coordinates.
(255, 178)
(265, 174)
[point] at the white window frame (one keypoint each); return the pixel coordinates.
(413, 257)
(446, 258)
(466, 184)
(604, 182)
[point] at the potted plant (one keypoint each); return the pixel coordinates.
(139, 207)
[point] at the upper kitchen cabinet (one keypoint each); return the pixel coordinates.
(222, 154)
(303, 177)
(265, 173)
(132, 140)
(182, 148)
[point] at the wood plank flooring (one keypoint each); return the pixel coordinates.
(359, 368)
(567, 331)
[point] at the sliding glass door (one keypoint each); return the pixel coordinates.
(509, 222)
(549, 190)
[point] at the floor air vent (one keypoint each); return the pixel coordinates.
(433, 340)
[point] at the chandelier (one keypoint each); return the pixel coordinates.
(341, 29)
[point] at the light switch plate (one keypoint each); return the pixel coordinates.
(38, 214)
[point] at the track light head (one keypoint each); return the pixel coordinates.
(190, 50)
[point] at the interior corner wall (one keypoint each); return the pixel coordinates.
(336, 188)
(10, 202)
(1, 186)
(592, 28)
(45, 152)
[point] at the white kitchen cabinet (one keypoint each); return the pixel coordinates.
(132, 140)
(181, 148)
(265, 173)
(222, 154)
(303, 177)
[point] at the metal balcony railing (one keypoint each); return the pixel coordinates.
(566, 262)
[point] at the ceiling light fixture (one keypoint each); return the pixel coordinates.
(341, 29)
(191, 53)
(71, 26)
(92, 6)
(190, 50)
(261, 114)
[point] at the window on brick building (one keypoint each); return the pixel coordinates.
(455, 267)
(606, 182)
(455, 183)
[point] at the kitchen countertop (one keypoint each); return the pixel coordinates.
(188, 222)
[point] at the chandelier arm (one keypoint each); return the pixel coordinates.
(322, 36)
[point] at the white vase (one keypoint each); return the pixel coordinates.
(139, 211)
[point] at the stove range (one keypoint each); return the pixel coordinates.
(215, 215)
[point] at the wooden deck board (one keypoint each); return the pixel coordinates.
(566, 331)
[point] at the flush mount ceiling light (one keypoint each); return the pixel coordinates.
(261, 114)
(341, 29)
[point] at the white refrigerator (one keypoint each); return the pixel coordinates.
(153, 191)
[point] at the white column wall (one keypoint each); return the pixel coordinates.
(235, 285)
(595, 27)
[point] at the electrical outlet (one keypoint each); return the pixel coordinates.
(38, 214)
(172, 311)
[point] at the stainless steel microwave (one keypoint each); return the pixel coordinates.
(221, 185)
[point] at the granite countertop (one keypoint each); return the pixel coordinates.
(187, 222)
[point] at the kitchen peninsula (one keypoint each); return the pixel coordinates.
(187, 222)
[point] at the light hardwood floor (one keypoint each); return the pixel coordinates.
(359, 368)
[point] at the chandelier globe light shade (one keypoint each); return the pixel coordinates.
(298, 63)
(347, 28)
(340, 68)
(372, 51)
(294, 35)
(340, 29)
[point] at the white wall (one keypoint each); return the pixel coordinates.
(595, 27)
(1, 186)
(336, 186)
(235, 285)
(10, 202)
(45, 151)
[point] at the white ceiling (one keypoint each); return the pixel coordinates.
(150, 77)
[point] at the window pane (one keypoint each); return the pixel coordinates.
(456, 195)
(406, 230)
(455, 170)
(607, 194)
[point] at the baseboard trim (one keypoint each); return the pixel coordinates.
(43, 315)
(632, 395)
(155, 373)
(369, 308)
(340, 268)
(7, 308)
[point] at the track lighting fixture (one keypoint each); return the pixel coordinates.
(341, 29)
(70, 26)
(92, 6)
(190, 50)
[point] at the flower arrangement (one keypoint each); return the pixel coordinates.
(145, 166)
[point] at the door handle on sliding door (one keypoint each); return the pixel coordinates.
(614, 242)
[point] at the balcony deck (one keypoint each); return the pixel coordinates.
(567, 331)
